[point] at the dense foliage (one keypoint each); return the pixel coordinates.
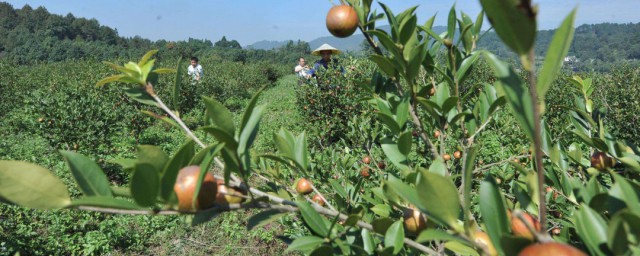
(428, 146)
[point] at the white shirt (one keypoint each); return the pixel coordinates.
(196, 72)
(302, 71)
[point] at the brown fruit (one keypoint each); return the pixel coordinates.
(519, 228)
(601, 161)
(185, 187)
(436, 134)
(457, 154)
(366, 160)
(414, 221)
(551, 248)
(342, 20)
(304, 186)
(382, 165)
(446, 157)
(364, 172)
(228, 195)
(432, 91)
(482, 239)
(556, 231)
(318, 200)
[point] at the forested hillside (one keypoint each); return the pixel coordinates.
(596, 47)
(29, 36)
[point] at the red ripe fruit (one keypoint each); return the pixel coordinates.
(551, 248)
(304, 186)
(185, 187)
(342, 21)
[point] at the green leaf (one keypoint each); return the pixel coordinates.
(467, 178)
(106, 202)
(460, 248)
(178, 161)
(305, 244)
(558, 48)
(405, 142)
(439, 196)
(140, 95)
(88, 175)
(591, 228)
(623, 191)
(314, 220)
(382, 210)
(516, 28)
(220, 116)
(392, 151)
(32, 186)
(438, 166)
(368, 241)
(515, 92)
(222, 136)
(146, 57)
(384, 64)
(394, 237)
(451, 24)
(152, 155)
(622, 226)
(248, 134)
(264, 218)
(494, 211)
(111, 79)
(437, 235)
(144, 184)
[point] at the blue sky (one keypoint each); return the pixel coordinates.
(249, 21)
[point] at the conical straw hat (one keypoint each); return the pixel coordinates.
(325, 47)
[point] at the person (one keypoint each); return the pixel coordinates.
(302, 69)
(325, 51)
(195, 70)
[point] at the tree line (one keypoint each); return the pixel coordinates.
(29, 36)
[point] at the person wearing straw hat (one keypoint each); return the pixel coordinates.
(325, 51)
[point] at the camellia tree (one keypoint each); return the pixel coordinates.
(424, 201)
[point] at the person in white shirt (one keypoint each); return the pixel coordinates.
(195, 70)
(302, 69)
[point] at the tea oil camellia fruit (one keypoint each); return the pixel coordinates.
(457, 154)
(601, 161)
(342, 20)
(318, 200)
(520, 229)
(304, 186)
(185, 188)
(446, 157)
(414, 221)
(365, 172)
(551, 248)
(366, 159)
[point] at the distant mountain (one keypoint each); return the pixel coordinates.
(266, 45)
(349, 44)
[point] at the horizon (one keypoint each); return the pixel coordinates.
(172, 20)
